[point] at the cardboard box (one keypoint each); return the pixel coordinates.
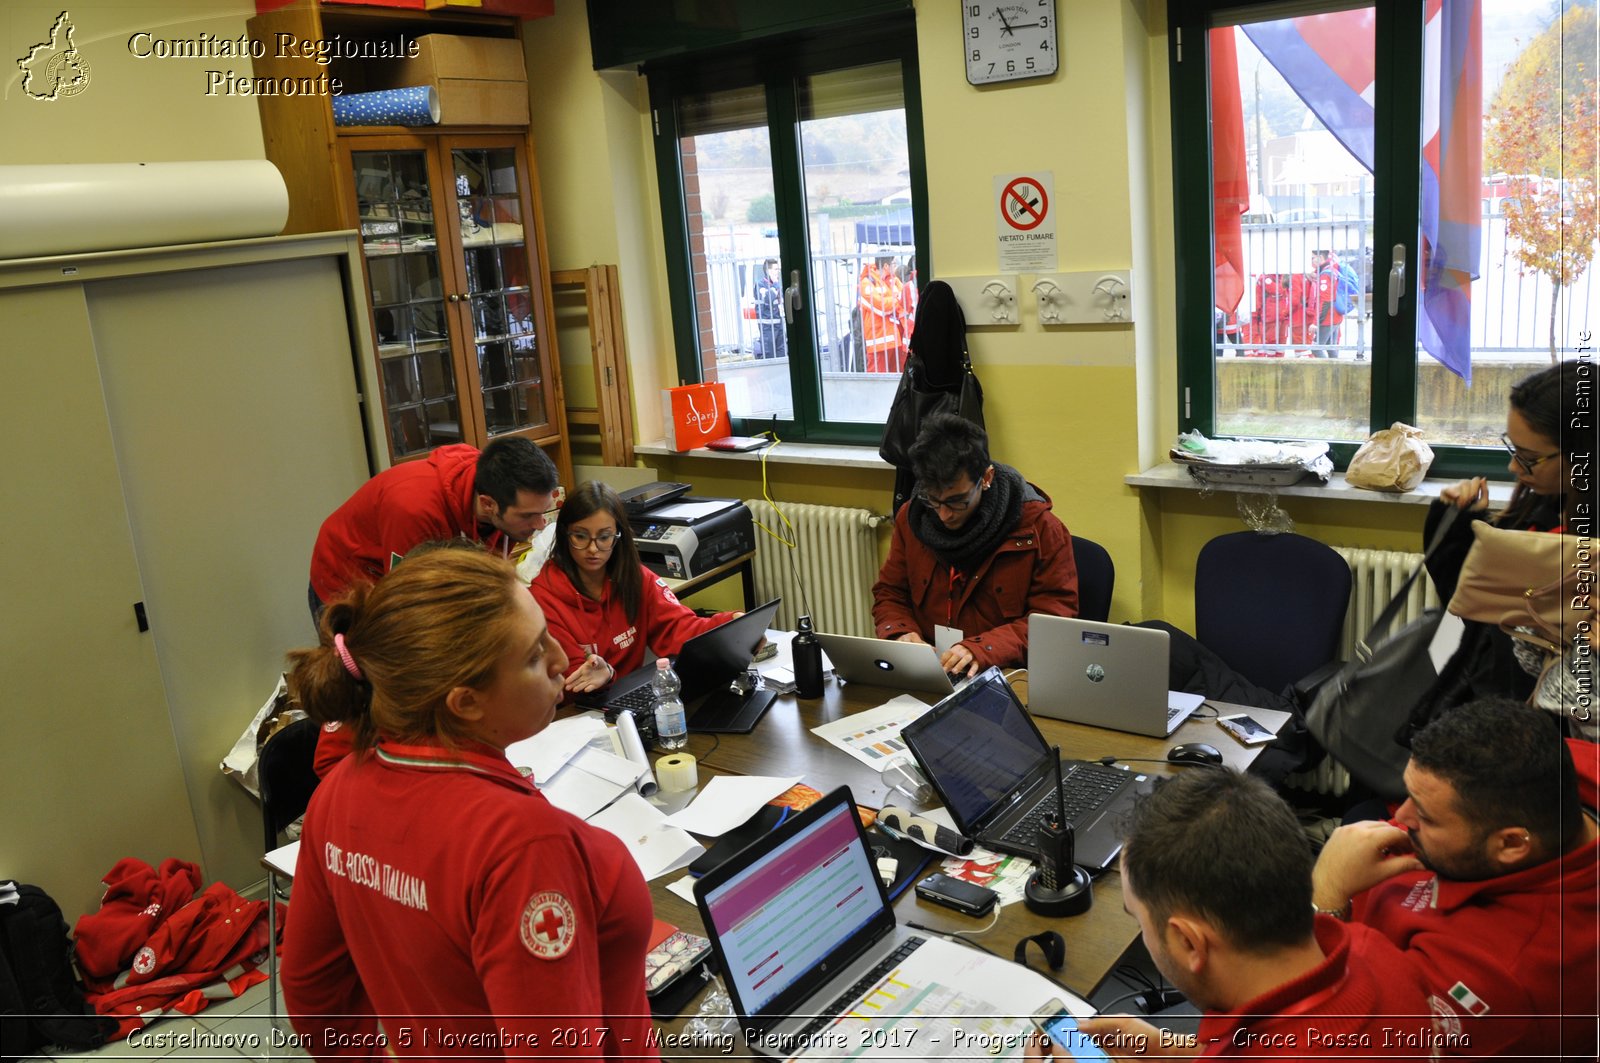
(481, 80)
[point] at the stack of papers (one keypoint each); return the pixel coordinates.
(655, 845)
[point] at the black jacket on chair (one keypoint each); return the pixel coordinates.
(938, 378)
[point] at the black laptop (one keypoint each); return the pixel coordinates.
(985, 756)
(707, 665)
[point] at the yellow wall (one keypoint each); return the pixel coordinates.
(132, 110)
(1077, 408)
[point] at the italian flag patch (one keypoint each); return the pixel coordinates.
(1467, 999)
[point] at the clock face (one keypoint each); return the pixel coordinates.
(1007, 41)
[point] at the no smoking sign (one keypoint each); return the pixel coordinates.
(1025, 228)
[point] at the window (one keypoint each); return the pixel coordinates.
(792, 189)
(1315, 135)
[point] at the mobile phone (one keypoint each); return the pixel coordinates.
(1245, 729)
(968, 897)
(1057, 1023)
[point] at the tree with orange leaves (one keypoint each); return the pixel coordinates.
(1545, 120)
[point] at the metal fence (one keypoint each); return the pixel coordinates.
(1511, 306)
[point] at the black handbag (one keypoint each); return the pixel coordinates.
(914, 402)
(1362, 715)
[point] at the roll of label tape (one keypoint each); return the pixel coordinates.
(677, 771)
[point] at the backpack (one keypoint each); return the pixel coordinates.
(1346, 287)
(41, 1002)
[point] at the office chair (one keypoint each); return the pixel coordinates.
(285, 774)
(1271, 606)
(1096, 577)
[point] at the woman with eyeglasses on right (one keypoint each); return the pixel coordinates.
(1550, 436)
(604, 607)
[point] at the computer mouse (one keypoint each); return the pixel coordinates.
(1194, 753)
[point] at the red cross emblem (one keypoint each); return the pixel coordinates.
(144, 961)
(548, 925)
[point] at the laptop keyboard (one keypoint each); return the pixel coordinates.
(1085, 790)
(806, 1033)
(636, 701)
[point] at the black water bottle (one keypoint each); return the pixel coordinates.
(807, 661)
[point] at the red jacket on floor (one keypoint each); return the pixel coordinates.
(1357, 1003)
(1511, 964)
(583, 626)
(137, 900)
(441, 892)
(411, 503)
(1032, 572)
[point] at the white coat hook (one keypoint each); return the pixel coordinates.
(1112, 291)
(1001, 300)
(1049, 297)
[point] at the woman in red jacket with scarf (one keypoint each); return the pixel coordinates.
(604, 606)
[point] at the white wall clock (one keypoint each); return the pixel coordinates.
(1008, 41)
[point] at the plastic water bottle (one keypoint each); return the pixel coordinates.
(672, 729)
(807, 661)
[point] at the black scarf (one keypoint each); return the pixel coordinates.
(999, 509)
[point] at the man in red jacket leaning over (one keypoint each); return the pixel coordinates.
(1488, 884)
(499, 496)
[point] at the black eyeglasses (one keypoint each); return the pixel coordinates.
(955, 503)
(1527, 464)
(581, 539)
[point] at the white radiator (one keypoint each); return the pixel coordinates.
(1376, 575)
(835, 557)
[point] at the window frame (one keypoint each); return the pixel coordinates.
(1397, 106)
(778, 64)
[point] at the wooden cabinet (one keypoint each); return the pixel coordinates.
(452, 240)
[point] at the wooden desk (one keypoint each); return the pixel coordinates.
(782, 744)
(741, 565)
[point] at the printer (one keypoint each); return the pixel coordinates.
(685, 537)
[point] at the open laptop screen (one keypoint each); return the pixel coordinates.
(978, 746)
(782, 916)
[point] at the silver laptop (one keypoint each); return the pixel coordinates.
(887, 663)
(1103, 675)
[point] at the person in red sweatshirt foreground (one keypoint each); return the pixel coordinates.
(604, 605)
(1217, 872)
(442, 906)
(1488, 884)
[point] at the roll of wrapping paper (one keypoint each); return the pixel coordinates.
(677, 772)
(415, 105)
(633, 749)
(75, 208)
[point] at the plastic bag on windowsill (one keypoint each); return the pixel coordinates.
(1258, 462)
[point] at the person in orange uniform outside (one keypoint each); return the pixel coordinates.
(879, 294)
(442, 906)
(1216, 871)
(604, 605)
(977, 549)
(1488, 880)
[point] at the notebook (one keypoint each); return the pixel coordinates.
(887, 663)
(1103, 675)
(707, 664)
(997, 776)
(802, 930)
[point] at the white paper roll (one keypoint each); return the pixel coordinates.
(633, 749)
(677, 772)
(73, 208)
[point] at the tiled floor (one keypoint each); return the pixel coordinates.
(230, 1031)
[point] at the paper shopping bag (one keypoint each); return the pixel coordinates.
(695, 414)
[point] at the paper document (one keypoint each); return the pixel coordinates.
(548, 751)
(729, 800)
(873, 737)
(283, 858)
(945, 1001)
(655, 845)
